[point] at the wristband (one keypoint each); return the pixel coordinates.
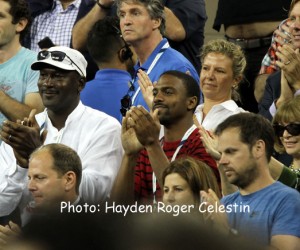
(102, 6)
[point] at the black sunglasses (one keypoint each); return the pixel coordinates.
(56, 56)
(292, 128)
(126, 101)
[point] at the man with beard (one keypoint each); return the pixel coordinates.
(245, 142)
(176, 95)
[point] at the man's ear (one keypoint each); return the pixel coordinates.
(156, 23)
(70, 180)
(82, 82)
(259, 149)
(192, 102)
(21, 25)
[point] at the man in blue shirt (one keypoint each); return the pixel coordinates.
(114, 59)
(184, 30)
(143, 25)
(262, 210)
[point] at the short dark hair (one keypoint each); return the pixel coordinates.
(190, 84)
(253, 127)
(64, 159)
(104, 39)
(19, 9)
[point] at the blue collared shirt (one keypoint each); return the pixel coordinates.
(170, 60)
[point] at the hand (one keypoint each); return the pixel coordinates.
(23, 137)
(130, 142)
(8, 233)
(146, 87)
(286, 92)
(106, 3)
(220, 220)
(209, 140)
(146, 127)
(289, 64)
(283, 35)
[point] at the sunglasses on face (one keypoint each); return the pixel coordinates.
(292, 128)
(56, 56)
(126, 101)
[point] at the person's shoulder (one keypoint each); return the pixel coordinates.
(170, 52)
(283, 190)
(230, 198)
(279, 193)
(174, 60)
(26, 55)
(28, 52)
(100, 117)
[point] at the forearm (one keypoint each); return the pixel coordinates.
(83, 26)
(12, 179)
(174, 28)
(13, 109)
(276, 168)
(260, 83)
(123, 187)
(158, 160)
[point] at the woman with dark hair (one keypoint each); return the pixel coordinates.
(184, 178)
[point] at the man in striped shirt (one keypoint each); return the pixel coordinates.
(176, 95)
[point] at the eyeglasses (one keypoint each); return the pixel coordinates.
(292, 128)
(56, 56)
(126, 101)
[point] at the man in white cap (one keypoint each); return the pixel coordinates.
(95, 136)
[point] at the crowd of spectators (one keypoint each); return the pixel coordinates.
(122, 129)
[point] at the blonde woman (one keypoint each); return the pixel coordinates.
(223, 66)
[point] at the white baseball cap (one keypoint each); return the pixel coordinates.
(63, 58)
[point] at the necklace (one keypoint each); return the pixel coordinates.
(293, 169)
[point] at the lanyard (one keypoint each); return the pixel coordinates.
(183, 140)
(159, 54)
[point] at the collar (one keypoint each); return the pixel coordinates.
(112, 73)
(76, 114)
(150, 59)
(229, 105)
(73, 117)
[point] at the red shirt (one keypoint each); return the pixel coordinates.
(193, 147)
